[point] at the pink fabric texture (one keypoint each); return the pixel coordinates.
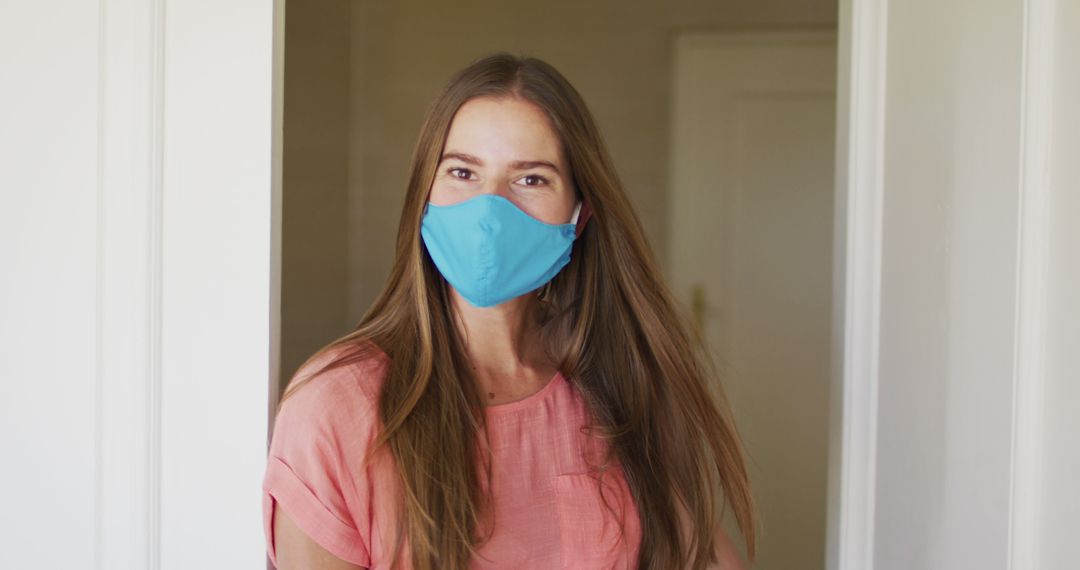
(548, 510)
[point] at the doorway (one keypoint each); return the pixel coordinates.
(359, 75)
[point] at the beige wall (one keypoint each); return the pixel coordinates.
(314, 284)
(358, 76)
(615, 53)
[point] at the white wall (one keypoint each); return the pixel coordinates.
(948, 285)
(138, 229)
(1059, 503)
(961, 276)
(48, 223)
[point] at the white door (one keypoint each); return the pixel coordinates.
(751, 254)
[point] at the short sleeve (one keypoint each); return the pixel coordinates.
(313, 466)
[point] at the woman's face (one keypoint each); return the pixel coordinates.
(505, 146)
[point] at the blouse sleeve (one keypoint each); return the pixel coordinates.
(312, 468)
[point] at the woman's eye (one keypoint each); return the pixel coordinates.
(541, 179)
(468, 173)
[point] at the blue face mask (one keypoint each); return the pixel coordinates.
(491, 251)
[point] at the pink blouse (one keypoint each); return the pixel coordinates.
(548, 510)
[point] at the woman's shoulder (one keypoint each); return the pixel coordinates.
(339, 386)
(323, 428)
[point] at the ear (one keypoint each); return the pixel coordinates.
(583, 218)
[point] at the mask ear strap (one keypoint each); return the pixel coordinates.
(582, 213)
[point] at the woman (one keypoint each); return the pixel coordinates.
(524, 393)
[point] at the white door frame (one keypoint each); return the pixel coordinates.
(860, 116)
(861, 111)
(141, 197)
(190, 123)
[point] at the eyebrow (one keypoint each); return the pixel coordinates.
(470, 159)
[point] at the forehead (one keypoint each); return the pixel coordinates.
(503, 129)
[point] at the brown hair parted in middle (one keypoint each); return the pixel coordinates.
(609, 321)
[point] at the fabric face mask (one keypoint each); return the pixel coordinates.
(491, 251)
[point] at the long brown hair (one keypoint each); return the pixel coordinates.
(608, 319)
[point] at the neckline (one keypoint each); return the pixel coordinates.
(527, 400)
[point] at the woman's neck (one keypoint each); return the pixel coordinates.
(503, 345)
